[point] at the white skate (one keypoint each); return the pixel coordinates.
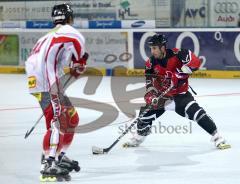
(135, 141)
(67, 163)
(51, 172)
(220, 142)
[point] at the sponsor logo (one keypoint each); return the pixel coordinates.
(10, 25)
(104, 24)
(138, 23)
(192, 13)
(39, 24)
(226, 7)
(125, 10)
(32, 82)
(225, 19)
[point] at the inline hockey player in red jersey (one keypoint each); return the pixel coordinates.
(170, 68)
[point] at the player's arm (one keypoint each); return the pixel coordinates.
(151, 91)
(190, 62)
(149, 74)
(77, 57)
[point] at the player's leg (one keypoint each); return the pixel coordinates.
(69, 120)
(187, 107)
(52, 142)
(144, 126)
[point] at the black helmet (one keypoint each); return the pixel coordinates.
(62, 13)
(157, 40)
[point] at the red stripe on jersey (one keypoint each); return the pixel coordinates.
(64, 39)
(37, 47)
(55, 66)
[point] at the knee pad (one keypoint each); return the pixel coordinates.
(144, 128)
(198, 114)
(52, 140)
(193, 111)
(183, 102)
(144, 124)
(73, 117)
(69, 119)
(151, 114)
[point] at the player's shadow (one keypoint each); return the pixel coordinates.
(150, 160)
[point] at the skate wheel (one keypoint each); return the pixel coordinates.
(125, 145)
(223, 146)
(75, 162)
(77, 169)
(48, 179)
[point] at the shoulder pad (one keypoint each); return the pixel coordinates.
(184, 55)
(175, 50)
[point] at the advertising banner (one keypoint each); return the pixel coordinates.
(138, 24)
(224, 13)
(135, 10)
(39, 24)
(190, 13)
(94, 9)
(41, 10)
(107, 49)
(29, 10)
(105, 24)
(27, 41)
(9, 49)
(12, 24)
(162, 10)
(217, 50)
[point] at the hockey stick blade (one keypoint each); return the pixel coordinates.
(98, 151)
(28, 132)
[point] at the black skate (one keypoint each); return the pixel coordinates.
(52, 172)
(66, 163)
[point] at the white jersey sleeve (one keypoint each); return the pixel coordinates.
(50, 54)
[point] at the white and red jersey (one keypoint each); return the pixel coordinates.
(51, 53)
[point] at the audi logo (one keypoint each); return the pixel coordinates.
(226, 7)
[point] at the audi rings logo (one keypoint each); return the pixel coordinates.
(226, 7)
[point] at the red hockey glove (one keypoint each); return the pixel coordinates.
(151, 98)
(78, 67)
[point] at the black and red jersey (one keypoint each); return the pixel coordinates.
(160, 72)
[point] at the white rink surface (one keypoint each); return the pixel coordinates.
(162, 158)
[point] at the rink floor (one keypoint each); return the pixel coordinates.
(166, 158)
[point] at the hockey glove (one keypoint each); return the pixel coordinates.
(78, 67)
(151, 97)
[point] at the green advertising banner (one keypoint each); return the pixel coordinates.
(9, 49)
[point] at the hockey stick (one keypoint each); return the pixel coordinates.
(39, 119)
(96, 150)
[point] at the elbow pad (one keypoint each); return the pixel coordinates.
(186, 69)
